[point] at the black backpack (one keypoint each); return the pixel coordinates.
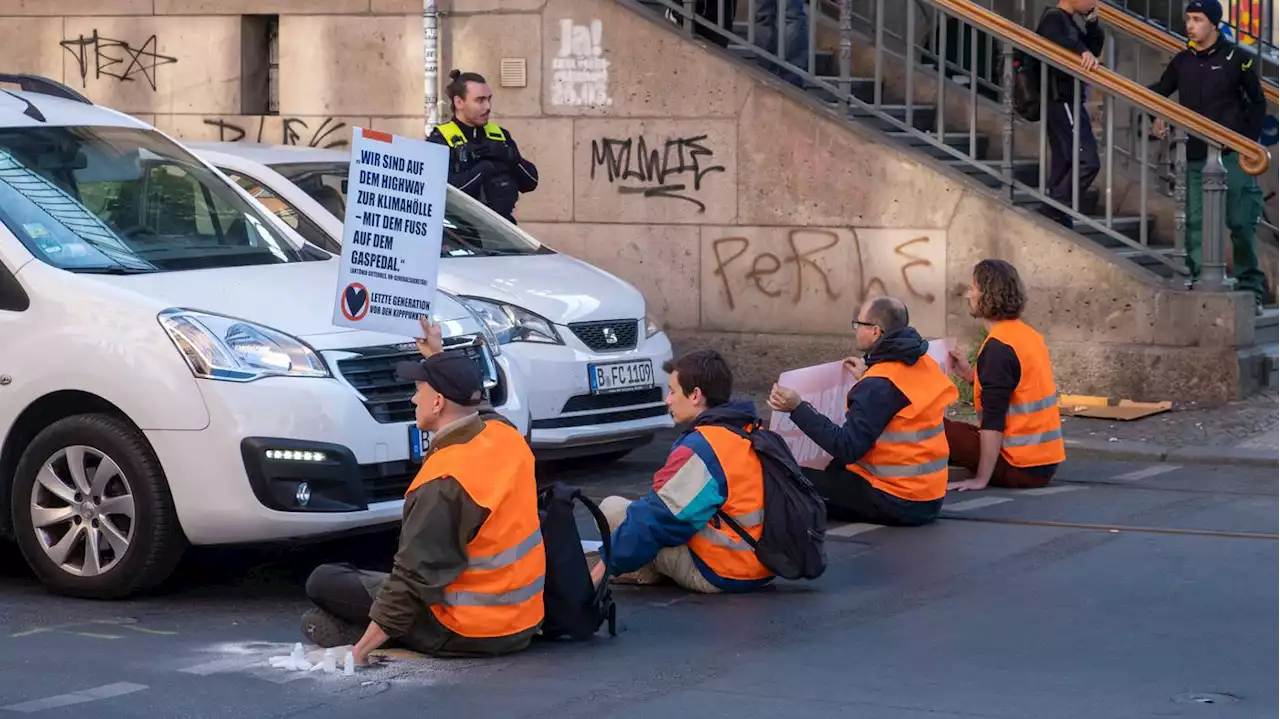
(573, 607)
(792, 543)
(1026, 86)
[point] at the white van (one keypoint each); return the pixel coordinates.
(582, 332)
(169, 371)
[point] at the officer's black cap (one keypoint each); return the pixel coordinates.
(454, 376)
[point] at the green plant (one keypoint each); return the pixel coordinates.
(966, 389)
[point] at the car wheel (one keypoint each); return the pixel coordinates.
(92, 510)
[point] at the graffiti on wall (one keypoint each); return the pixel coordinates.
(663, 170)
(293, 131)
(799, 266)
(114, 58)
(579, 71)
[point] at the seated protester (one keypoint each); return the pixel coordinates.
(1019, 443)
(673, 531)
(467, 578)
(889, 458)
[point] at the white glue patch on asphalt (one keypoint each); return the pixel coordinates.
(1043, 491)
(65, 700)
(253, 660)
(852, 528)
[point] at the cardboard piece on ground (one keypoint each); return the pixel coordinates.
(824, 386)
(1124, 410)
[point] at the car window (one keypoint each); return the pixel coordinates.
(125, 200)
(310, 231)
(468, 232)
(12, 297)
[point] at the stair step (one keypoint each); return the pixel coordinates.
(923, 117)
(862, 88)
(824, 62)
(1129, 226)
(956, 140)
(1267, 326)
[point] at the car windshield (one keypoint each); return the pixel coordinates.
(123, 200)
(468, 231)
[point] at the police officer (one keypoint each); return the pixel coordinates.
(484, 161)
(1217, 79)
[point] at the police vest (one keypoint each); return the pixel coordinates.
(716, 544)
(909, 459)
(500, 591)
(1033, 427)
(455, 138)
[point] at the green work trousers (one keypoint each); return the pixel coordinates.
(1243, 210)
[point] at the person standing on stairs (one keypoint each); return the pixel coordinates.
(1217, 79)
(793, 23)
(1059, 25)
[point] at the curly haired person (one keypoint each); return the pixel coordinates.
(1019, 440)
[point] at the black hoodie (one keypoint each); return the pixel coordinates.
(873, 402)
(1221, 83)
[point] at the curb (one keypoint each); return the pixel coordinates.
(1192, 454)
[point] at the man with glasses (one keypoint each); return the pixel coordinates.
(890, 456)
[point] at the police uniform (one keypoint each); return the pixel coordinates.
(485, 163)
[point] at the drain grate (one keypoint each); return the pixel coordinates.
(1205, 698)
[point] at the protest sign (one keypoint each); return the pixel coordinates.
(391, 233)
(939, 350)
(824, 386)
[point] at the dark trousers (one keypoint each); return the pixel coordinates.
(347, 593)
(1060, 127)
(965, 441)
(851, 498)
(1244, 207)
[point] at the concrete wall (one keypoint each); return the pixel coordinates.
(182, 64)
(750, 217)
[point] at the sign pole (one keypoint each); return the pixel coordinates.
(431, 64)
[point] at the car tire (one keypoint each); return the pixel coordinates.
(141, 551)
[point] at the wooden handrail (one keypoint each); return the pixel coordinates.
(1254, 158)
(1162, 40)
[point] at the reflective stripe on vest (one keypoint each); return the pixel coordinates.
(454, 136)
(1033, 423)
(500, 591)
(909, 458)
(719, 547)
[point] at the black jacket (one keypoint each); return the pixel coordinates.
(1060, 28)
(1221, 83)
(498, 183)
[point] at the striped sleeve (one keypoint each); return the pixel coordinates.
(686, 494)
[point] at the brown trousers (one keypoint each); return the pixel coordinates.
(966, 448)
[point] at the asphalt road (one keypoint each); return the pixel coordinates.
(1124, 590)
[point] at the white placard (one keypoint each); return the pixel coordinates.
(391, 233)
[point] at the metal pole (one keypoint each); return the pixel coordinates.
(430, 62)
(846, 51)
(877, 94)
(1213, 267)
(1006, 108)
(911, 63)
(1109, 108)
(1180, 193)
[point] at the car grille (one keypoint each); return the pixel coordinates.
(609, 336)
(387, 397)
(590, 403)
(388, 481)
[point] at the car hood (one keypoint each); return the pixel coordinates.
(296, 298)
(557, 287)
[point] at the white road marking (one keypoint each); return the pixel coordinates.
(1146, 472)
(1042, 491)
(222, 665)
(853, 528)
(978, 503)
(88, 695)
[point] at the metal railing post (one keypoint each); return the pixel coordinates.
(1180, 193)
(911, 63)
(846, 52)
(1213, 267)
(430, 63)
(1006, 110)
(877, 92)
(688, 17)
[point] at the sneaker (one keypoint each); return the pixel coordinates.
(325, 630)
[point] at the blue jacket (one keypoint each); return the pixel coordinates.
(663, 518)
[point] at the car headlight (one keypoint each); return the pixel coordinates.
(651, 326)
(513, 324)
(226, 348)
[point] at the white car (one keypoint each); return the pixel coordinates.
(169, 370)
(581, 334)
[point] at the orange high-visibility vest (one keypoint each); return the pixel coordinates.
(909, 459)
(500, 591)
(716, 544)
(1033, 428)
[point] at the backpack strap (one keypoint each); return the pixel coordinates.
(606, 542)
(745, 433)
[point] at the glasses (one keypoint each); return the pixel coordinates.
(857, 324)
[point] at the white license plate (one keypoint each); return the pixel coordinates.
(620, 376)
(418, 443)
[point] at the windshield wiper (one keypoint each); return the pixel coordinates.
(110, 270)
